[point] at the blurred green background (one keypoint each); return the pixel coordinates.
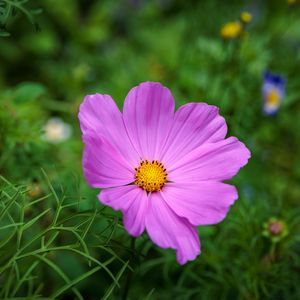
(56, 240)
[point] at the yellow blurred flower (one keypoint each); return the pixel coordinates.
(231, 30)
(246, 17)
(291, 2)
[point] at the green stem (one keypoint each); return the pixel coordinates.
(273, 251)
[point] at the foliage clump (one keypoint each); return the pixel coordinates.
(10, 8)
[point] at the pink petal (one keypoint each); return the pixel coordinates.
(167, 230)
(201, 203)
(215, 161)
(148, 114)
(194, 124)
(132, 201)
(102, 164)
(100, 114)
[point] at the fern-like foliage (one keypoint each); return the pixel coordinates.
(9, 8)
(37, 236)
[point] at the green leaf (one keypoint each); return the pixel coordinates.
(32, 221)
(28, 91)
(60, 273)
(75, 281)
(113, 285)
(148, 297)
(4, 34)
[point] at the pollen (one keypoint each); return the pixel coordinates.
(273, 98)
(150, 175)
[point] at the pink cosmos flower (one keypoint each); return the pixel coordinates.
(163, 169)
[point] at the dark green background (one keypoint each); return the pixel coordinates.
(82, 47)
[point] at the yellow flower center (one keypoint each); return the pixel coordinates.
(273, 98)
(151, 176)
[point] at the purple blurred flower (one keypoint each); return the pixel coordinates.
(163, 169)
(273, 91)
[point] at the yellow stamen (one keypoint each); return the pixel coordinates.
(273, 98)
(151, 176)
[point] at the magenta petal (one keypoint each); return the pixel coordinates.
(167, 230)
(216, 161)
(190, 144)
(132, 201)
(194, 124)
(99, 113)
(103, 166)
(148, 114)
(201, 203)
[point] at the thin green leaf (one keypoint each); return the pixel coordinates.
(24, 278)
(34, 220)
(113, 285)
(51, 187)
(54, 267)
(149, 295)
(32, 203)
(8, 205)
(75, 281)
